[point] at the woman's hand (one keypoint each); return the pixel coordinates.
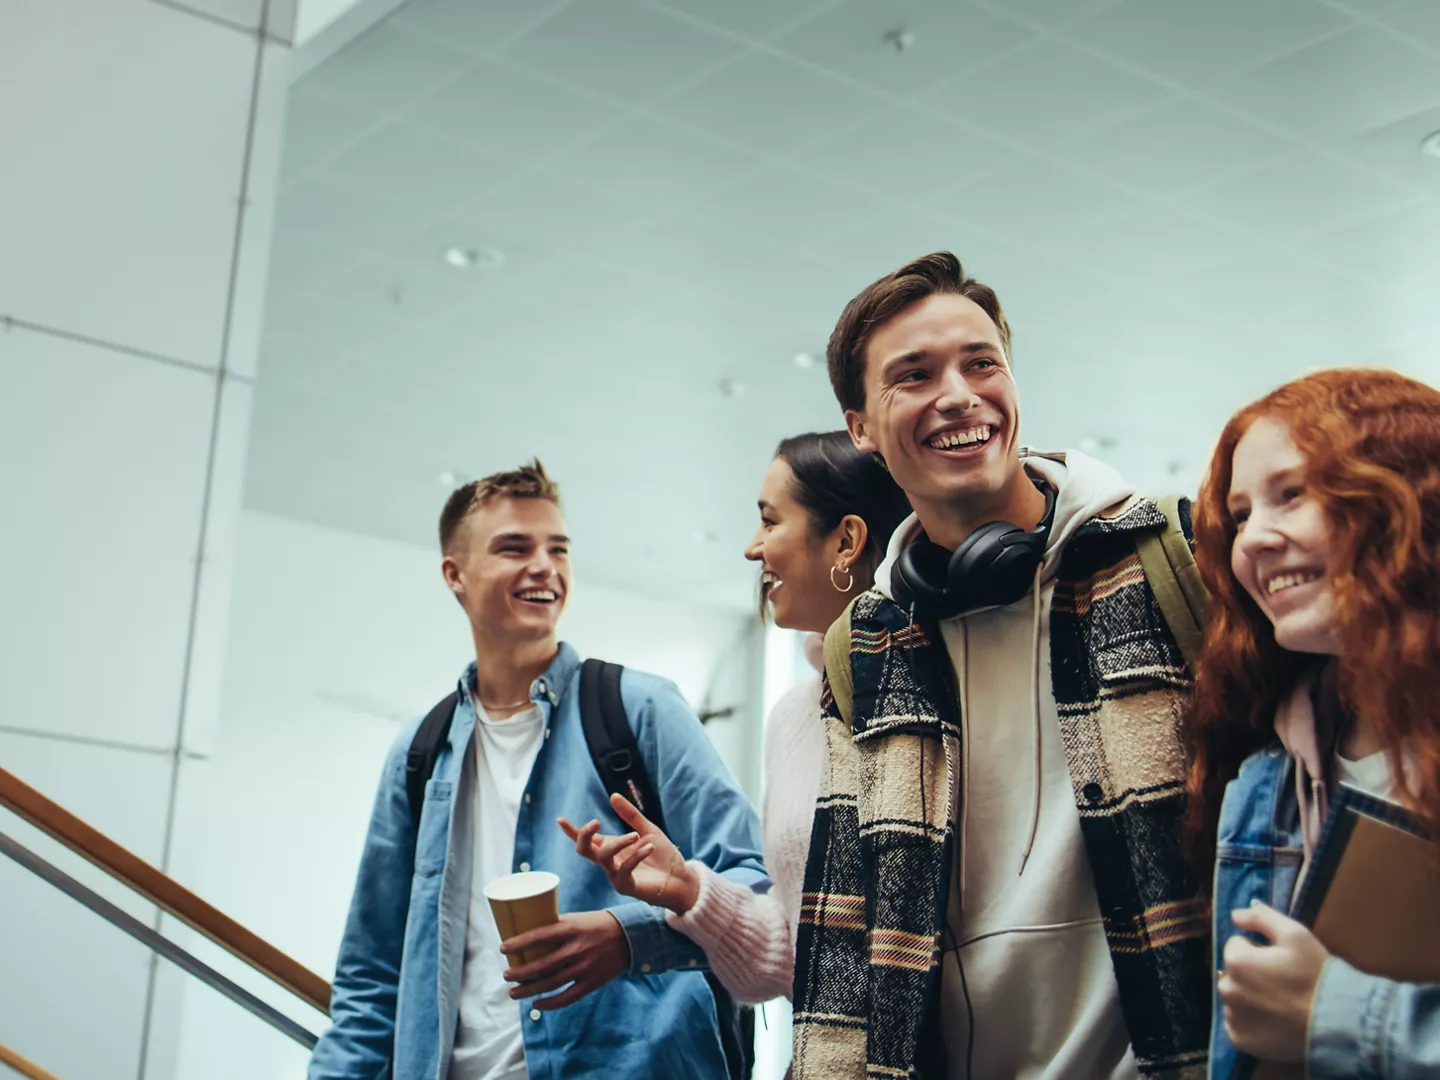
(1267, 990)
(643, 864)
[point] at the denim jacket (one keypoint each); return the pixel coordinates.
(1360, 1025)
(396, 995)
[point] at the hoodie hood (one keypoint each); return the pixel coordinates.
(1084, 489)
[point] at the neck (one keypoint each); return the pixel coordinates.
(949, 522)
(506, 668)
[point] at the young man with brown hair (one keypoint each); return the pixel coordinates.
(423, 989)
(996, 885)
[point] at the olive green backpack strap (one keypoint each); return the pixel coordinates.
(1169, 565)
(837, 665)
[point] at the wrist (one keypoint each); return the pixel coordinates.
(689, 890)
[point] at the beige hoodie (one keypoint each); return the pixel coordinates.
(1027, 987)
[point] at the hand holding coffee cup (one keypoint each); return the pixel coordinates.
(522, 902)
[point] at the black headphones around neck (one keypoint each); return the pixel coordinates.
(993, 566)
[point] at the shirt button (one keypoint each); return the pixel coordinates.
(541, 686)
(524, 867)
(1093, 792)
(645, 968)
(527, 797)
(692, 963)
(534, 1014)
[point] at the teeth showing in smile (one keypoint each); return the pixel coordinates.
(950, 440)
(1289, 581)
(538, 596)
(769, 577)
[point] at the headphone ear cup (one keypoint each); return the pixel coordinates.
(920, 578)
(970, 579)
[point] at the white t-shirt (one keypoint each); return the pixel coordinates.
(489, 1044)
(1371, 774)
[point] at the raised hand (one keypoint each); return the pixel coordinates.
(643, 864)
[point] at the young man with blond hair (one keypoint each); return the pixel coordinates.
(423, 988)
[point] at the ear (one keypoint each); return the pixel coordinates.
(450, 571)
(855, 424)
(850, 536)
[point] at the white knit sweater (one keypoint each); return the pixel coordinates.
(749, 937)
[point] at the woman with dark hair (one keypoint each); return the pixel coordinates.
(1318, 535)
(826, 514)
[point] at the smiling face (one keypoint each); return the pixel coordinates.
(1282, 539)
(509, 566)
(795, 560)
(942, 409)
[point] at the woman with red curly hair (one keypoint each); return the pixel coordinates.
(1317, 533)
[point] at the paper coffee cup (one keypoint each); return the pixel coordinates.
(522, 902)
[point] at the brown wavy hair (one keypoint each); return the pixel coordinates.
(1371, 443)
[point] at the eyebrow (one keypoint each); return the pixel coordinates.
(524, 538)
(916, 355)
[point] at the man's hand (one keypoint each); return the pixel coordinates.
(590, 949)
(1267, 990)
(643, 864)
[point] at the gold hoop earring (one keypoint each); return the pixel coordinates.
(850, 584)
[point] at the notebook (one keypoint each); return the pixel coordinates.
(1370, 896)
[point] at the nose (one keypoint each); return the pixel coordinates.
(755, 549)
(541, 564)
(956, 394)
(1260, 535)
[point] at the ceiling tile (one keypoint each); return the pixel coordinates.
(902, 153)
(1394, 150)
(478, 27)
(1048, 93)
(786, 207)
(1419, 19)
(386, 70)
(1037, 201)
(346, 219)
(756, 19)
(408, 165)
(511, 113)
(1157, 245)
(559, 212)
(948, 38)
(1359, 79)
(404, 291)
(1392, 250)
(299, 262)
(739, 102)
(521, 255)
(1200, 44)
(656, 164)
(1300, 195)
(901, 235)
(1180, 145)
(1050, 14)
(621, 49)
(316, 127)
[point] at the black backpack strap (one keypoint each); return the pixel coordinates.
(612, 740)
(433, 733)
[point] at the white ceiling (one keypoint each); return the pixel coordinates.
(1180, 204)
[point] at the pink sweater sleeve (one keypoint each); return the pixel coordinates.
(745, 934)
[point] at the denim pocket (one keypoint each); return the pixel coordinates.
(430, 842)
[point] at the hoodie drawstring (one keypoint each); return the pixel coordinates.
(1035, 709)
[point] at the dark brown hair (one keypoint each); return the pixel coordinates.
(526, 482)
(886, 298)
(1371, 444)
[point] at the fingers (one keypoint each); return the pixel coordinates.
(625, 863)
(1264, 920)
(568, 829)
(568, 996)
(628, 814)
(607, 847)
(567, 972)
(542, 937)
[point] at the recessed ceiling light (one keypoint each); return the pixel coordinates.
(804, 360)
(469, 258)
(705, 536)
(1089, 445)
(1430, 145)
(447, 479)
(732, 388)
(900, 40)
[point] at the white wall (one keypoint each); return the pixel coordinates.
(336, 640)
(140, 145)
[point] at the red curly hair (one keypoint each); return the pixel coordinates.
(1371, 443)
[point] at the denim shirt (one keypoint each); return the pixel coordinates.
(396, 996)
(1360, 1025)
